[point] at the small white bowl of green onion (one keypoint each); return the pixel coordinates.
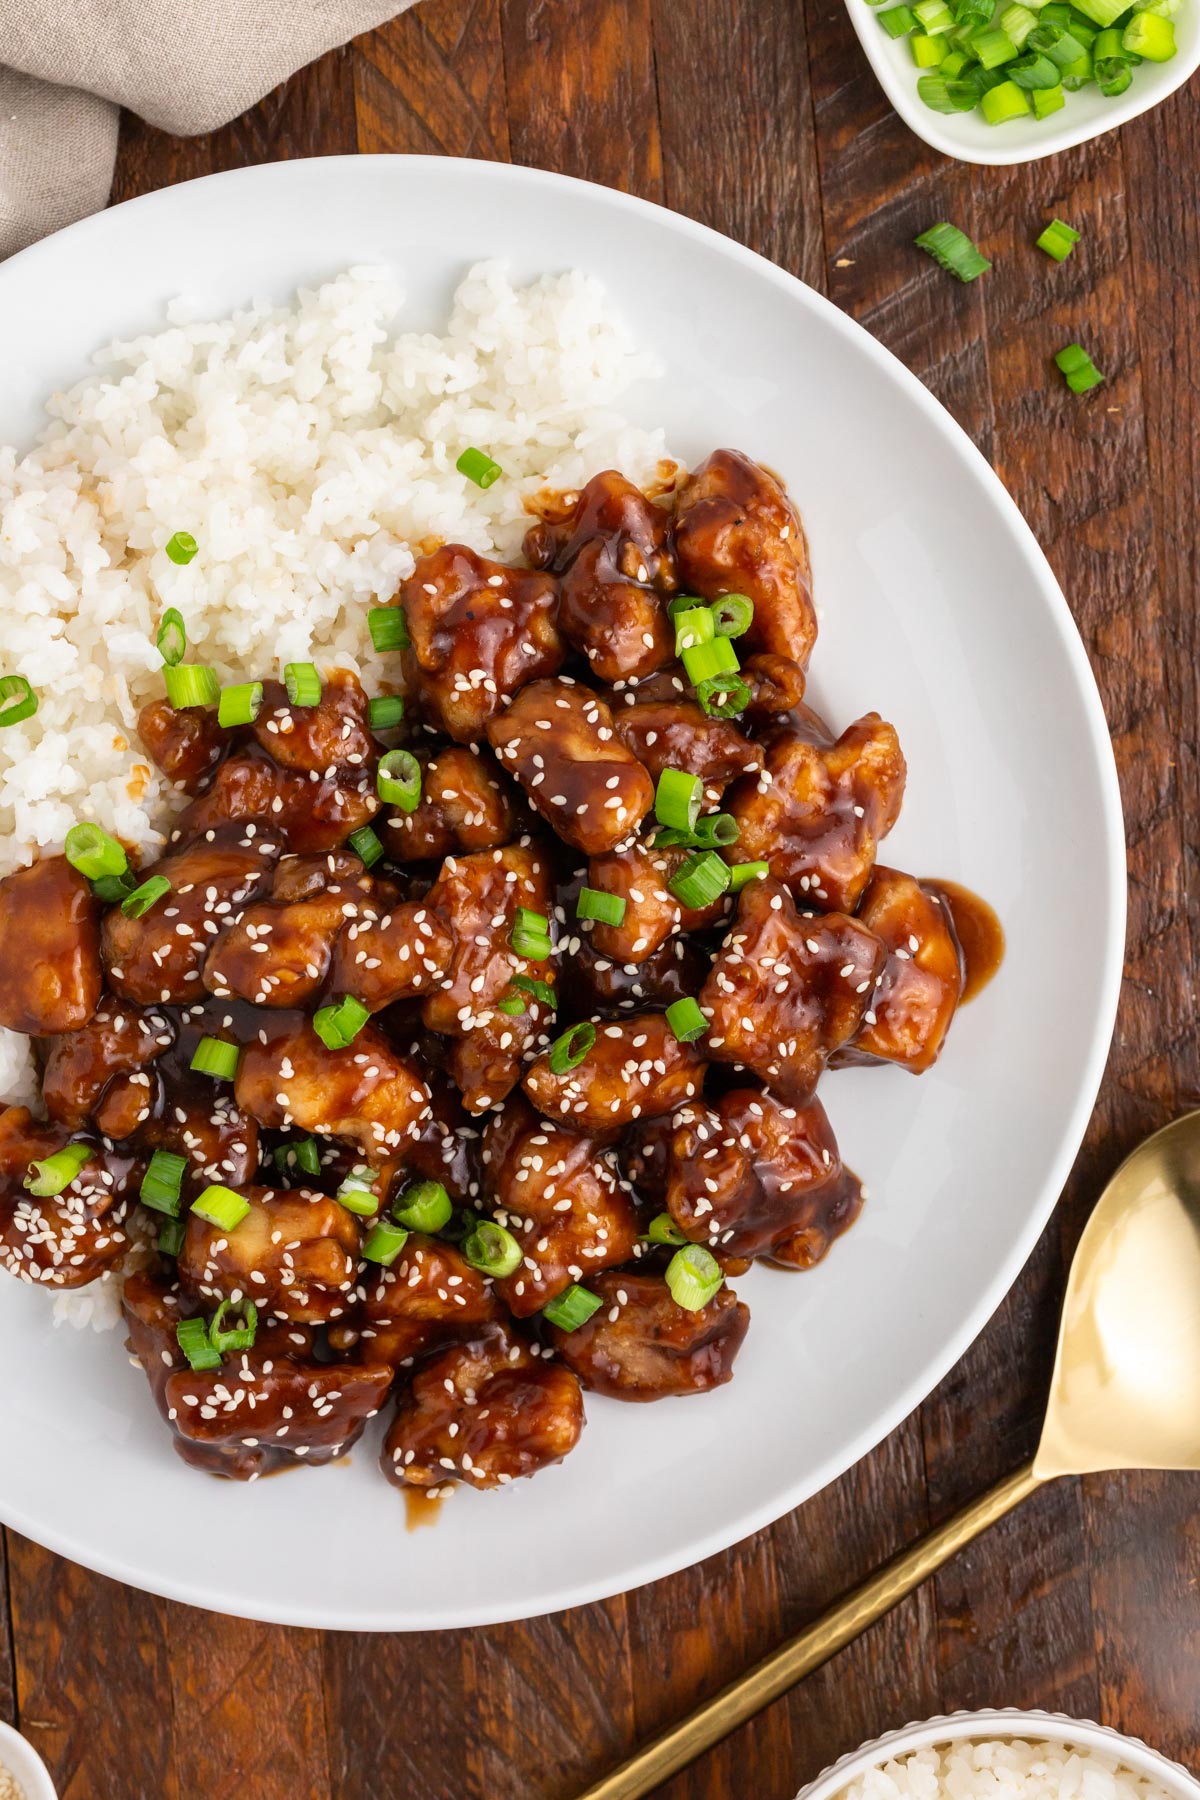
(1008, 81)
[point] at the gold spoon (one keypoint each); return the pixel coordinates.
(1125, 1395)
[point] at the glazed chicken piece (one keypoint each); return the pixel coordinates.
(558, 739)
(788, 990)
(264, 1408)
(636, 1069)
(50, 977)
(365, 1093)
(429, 1298)
(61, 1240)
(674, 732)
(219, 1142)
(559, 1195)
(736, 532)
(922, 977)
(465, 805)
(408, 951)
(314, 816)
(326, 872)
(600, 986)
(313, 740)
(98, 1072)
(186, 743)
(776, 686)
(295, 1254)
(479, 632)
(276, 953)
(477, 898)
(818, 810)
(640, 876)
(160, 957)
(486, 1412)
(641, 1345)
(755, 1177)
(616, 573)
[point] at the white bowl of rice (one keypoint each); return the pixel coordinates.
(23, 1774)
(1004, 1755)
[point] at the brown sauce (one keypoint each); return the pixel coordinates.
(421, 1507)
(979, 932)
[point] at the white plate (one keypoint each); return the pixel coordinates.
(940, 611)
(970, 138)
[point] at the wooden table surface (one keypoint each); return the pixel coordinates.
(761, 118)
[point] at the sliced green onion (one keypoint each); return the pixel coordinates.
(700, 880)
(1148, 34)
(221, 1206)
(172, 637)
(1047, 101)
(181, 547)
(1113, 75)
(18, 698)
(934, 15)
(717, 657)
(389, 628)
(1058, 240)
(1108, 43)
(338, 1025)
(695, 625)
(1080, 371)
(953, 64)
(1056, 42)
(426, 1206)
(148, 894)
(1102, 12)
(686, 1020)
(677, 799)
(569, 1050)
(384, 712)
(541, 990)
(491, 1249)
(398, 780)
(953, 251)
(214, 1056)
(741, 873)
(993, 48)
(530, 935)
(724, 697)
(240, 703)
(171, 1235)
(662, 1229)
(1018, 21)
(693, 1276)
(94, 852)
(1034, 71)
(478, 467)
(162, 1184)
(356, 1198)
(384, 1242)
(54, 1173)
(897, 21)
(366, 844)
(1077, 74)
(945, 96)
(572, 1308)
(191, 684)
(732, 615)
(113, 890)
(1008, 101)
(304, 1153)
(716, 828)
(594, 903)
(237, 1337)
(927, 52)
(303, 684)
(512, 1005)
(193, 1339)
(682, 603)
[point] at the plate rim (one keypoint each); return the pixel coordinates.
(669, 1561)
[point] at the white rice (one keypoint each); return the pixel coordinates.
(310, 450)
(1003, 1769)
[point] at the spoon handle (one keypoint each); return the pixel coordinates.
(680, 1744)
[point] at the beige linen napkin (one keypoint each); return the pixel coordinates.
(67, 66)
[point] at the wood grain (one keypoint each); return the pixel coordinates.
(432, 82)
(8, 1671)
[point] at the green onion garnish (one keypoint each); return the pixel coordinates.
(213, 1056)
(94, 852)
(1058, 240)
(355, 1197)
(898, 21)
(927, 52)
(237, 1337)
(1056, 42)
(389, 628)
(569, 1050)
(171, 1235)
(1080, 371)
(385, 711)
(114, 889)
(1101, 12)
(181, 547)
(677, 799)
(662, 1229)
(531, 935)
(732, 615)
(572, 1308)
(303, 684)
(172, 637)
(1034, 72)
(741, 873)
(1005, 102)
(491, 1249)
(366, 844)
(1047, 101)
(191, 684)
(398, 780)
(700, 880)
(717, 657)
(193, 1340)
(384, 1242)
(686, 1020)
(478, 467)
(953, 251)
(512, 1006)
(724, 697)
(221, 1206)
(54, 1173)
(594, 903)
(694, 625)
(693, 1276)
(151, 891)
(338, 1025)
(1149, 35)
(1018, 21)
(1113, 75)
(18, 700)
(426, 1206)
(162, 1183)
(239, 704)
(303, 1153)
(716, 828)
(541, 990)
